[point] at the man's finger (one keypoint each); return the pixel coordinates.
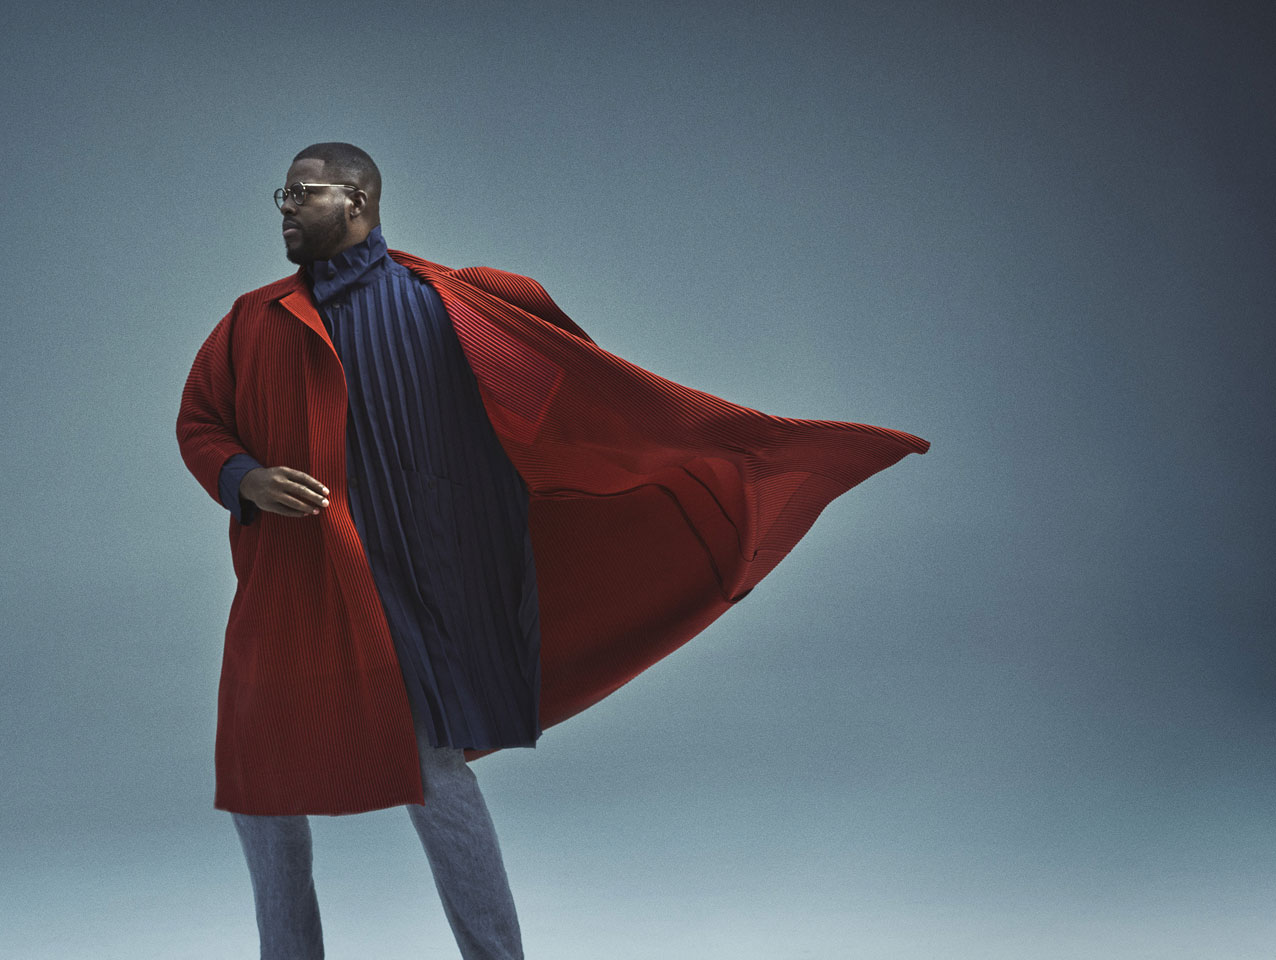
(307, 495)
(302, 477)
(292, 503)
(284, 511)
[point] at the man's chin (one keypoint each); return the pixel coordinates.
(296, 255)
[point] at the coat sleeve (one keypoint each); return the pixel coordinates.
(206, 417)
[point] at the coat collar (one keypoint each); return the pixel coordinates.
(296, 297)
(352, 267)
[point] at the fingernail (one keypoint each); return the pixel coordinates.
(325, 489)
(325, 503)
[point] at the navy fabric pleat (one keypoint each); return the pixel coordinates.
(442, 512)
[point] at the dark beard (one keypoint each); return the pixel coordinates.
(322, 240)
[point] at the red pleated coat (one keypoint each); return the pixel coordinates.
(654, 508)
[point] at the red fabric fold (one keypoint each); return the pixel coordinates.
(654, 509)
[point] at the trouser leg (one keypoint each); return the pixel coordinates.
(279, 855)
(460, 843)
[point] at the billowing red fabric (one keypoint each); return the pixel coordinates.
(654, 508)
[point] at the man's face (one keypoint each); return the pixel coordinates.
(317, 229)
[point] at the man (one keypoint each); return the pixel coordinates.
(430, 471)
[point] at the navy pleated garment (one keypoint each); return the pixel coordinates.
(441, 510)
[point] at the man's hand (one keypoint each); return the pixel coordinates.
(284, 490)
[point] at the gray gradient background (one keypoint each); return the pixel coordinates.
(1010, 699)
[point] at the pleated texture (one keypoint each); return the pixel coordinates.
(653, 509)
(312, 714)
(442, 513)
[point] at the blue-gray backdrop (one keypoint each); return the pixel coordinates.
(1010, 699)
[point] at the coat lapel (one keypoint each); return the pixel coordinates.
(301, 305)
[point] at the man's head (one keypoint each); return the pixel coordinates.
(330, 218)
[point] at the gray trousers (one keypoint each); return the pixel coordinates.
(460, 843)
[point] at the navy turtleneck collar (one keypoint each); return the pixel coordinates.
(352, 267)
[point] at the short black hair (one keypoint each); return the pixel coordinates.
(348, 162)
